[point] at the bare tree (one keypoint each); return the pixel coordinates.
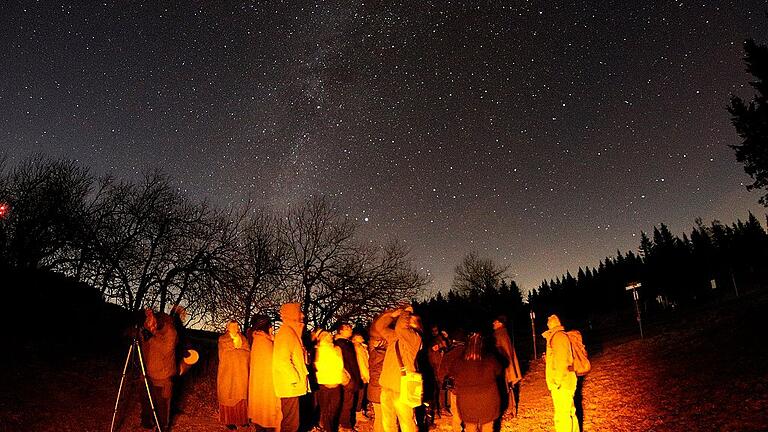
(476, 274)
(45, 220)
(153, 243)
(145, 243)
(333, 276)
(317, 241)
(257, 273)
(377, 278)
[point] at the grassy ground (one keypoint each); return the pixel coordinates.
(706, 369)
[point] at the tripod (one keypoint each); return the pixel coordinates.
(135, 345)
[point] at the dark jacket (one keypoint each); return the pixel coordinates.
(452, 356)
(350, 362)
(377, 349)
(507, 351)
(159, 349)
(477, 392)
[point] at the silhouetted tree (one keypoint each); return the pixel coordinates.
(333, 276)
(46, 220)
(751, 120)
(476, 274)
(257, 271)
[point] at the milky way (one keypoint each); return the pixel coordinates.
(543, 136)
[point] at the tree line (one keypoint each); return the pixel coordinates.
(145, 243)
(711, 262)
(672, 271)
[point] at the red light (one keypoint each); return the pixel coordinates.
(3, 210)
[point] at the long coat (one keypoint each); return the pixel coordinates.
(263, 403)
(505, 348)
(232, 377)
(289, 361)
(159, 349)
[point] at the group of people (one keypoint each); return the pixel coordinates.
(291, 380)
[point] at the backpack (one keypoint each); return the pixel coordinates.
(581, 364)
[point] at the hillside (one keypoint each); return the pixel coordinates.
(707, 369)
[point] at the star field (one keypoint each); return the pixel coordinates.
(545, 135)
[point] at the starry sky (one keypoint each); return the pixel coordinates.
(543, 134)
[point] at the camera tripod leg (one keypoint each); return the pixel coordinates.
(146, 384)
(120, 389)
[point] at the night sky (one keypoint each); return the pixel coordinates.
(544, 135)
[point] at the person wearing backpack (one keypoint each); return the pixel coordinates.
(561, 379)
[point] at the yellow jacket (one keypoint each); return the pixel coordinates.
(329, 364)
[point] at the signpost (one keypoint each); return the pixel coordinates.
(533, 331)
(633, 286)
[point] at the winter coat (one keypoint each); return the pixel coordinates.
(329, 364)
(232, 376)
(409, 342)
(350, 363)
(159, 349)
(559, 357)
(477, 391)
(437, 348)
(263, 404)
(289, 367)
(377, 349)
(507, 350)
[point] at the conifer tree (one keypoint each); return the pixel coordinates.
(751, 120)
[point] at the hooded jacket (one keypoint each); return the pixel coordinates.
(289, 360)
(232, 375)
(159, 349)
(559, 358)
(409, 341)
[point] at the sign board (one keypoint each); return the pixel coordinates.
(633, 286)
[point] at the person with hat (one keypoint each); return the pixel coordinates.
(263, 403)
(561, 379)
(158, 344)
(512, 373)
